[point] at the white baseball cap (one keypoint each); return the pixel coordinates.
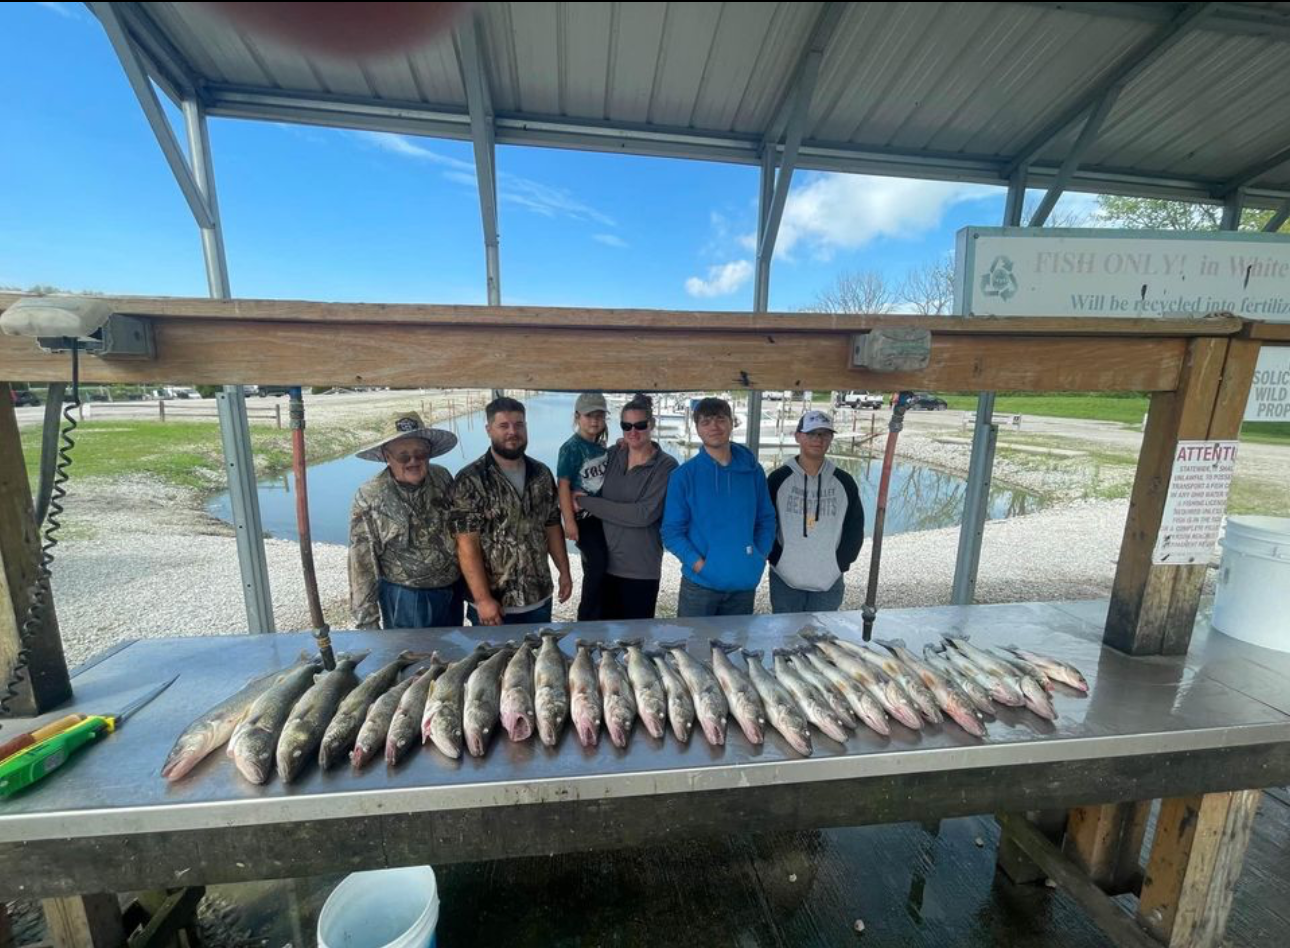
(815, 421)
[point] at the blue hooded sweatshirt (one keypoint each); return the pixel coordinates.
(722, 515)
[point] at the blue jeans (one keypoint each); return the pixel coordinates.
(403, 607)
(696, 600)
(784, 598)
(541, 614)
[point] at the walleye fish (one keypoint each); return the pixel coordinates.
(830, 693)
(216, 725)
(1053, 668)
(483, 700)
(616, 692)
(949, 697)
(348, 719)
(866, 703)
(584, 695)
(680, 707)
(781, 707)
(710, 705)
(890, 695)
(1005, 690)
(441, 721)
(256, 738)
(404, 731)
(376, 726)
(745, 705)
(918, 693)
(550, 688)
(651, 699)
(1033, 695)
(979, 696)
(809, 701)
(311, 714)
(518, 711)
(1021, 666)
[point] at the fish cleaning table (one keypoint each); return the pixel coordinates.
(1215, 720)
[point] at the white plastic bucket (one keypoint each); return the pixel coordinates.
(385, 908)
(1252, 601)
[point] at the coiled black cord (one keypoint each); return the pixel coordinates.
(39, 595)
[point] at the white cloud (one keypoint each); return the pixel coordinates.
(513, 189)
(610, 240)
(62, 9)
(831, 212)
(722, 280)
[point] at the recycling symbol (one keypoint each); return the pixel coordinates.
(999, 280)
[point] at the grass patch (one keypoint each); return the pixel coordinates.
(1127, 411)
(1266, 432)
(188, 454)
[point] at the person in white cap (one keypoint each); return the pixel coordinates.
(403, 571)
(821, 524)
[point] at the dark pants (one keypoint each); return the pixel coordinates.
(629, 598)
(541, 614)
(784, 598)
(595, 561)
(696, 600)
(403, 607)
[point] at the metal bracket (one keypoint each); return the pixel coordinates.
(59, 321)
(892, 350)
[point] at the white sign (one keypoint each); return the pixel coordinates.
(1197, 498)
(1270, 394)
(1020, 271)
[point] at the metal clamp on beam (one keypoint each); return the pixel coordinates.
(892, 350)
(57, 321)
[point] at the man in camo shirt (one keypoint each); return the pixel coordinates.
(507, 520)
(403, 570)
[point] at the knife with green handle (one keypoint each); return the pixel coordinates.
(40, 760)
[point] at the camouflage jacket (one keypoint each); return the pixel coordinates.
(511, 528)
(400, 534)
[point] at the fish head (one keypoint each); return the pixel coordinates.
(588, 728)
(188, 752)
(799, 738)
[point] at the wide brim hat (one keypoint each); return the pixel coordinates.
(408, 424)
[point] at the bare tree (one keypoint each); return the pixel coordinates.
(1059, 217)
(864, 291)
(929, 289)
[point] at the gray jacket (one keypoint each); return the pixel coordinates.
(631, 507)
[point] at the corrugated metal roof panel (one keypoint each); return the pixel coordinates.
(911, 80)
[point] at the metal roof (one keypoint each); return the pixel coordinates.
(1200, 99)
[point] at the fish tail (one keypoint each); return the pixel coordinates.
(675, 643)
(726, 647)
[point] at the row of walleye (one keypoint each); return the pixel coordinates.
(289, 717)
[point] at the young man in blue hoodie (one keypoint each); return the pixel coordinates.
(718, 519)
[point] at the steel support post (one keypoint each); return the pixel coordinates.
(235, 431)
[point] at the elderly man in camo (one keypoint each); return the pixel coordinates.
(403, 571)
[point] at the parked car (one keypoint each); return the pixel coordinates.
(926, 401)
(23, 398)
(856, 399)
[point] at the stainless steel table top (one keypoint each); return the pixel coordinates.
(1224, 693)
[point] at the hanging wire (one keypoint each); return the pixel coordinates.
(39, 595)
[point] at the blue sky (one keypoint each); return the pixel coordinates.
(87, 202)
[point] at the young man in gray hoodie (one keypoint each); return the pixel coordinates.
(821, 524)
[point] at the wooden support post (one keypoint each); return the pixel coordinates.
(1106, 914)
(277, 415)
(1196, 858)
(1012, 859)
(46, 683)
(161, 408)
(1106, 842)
(1152, 607)
(85, 921)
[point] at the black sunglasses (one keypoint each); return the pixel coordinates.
(637, 425)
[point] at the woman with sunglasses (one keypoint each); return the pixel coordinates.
(631, 507)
